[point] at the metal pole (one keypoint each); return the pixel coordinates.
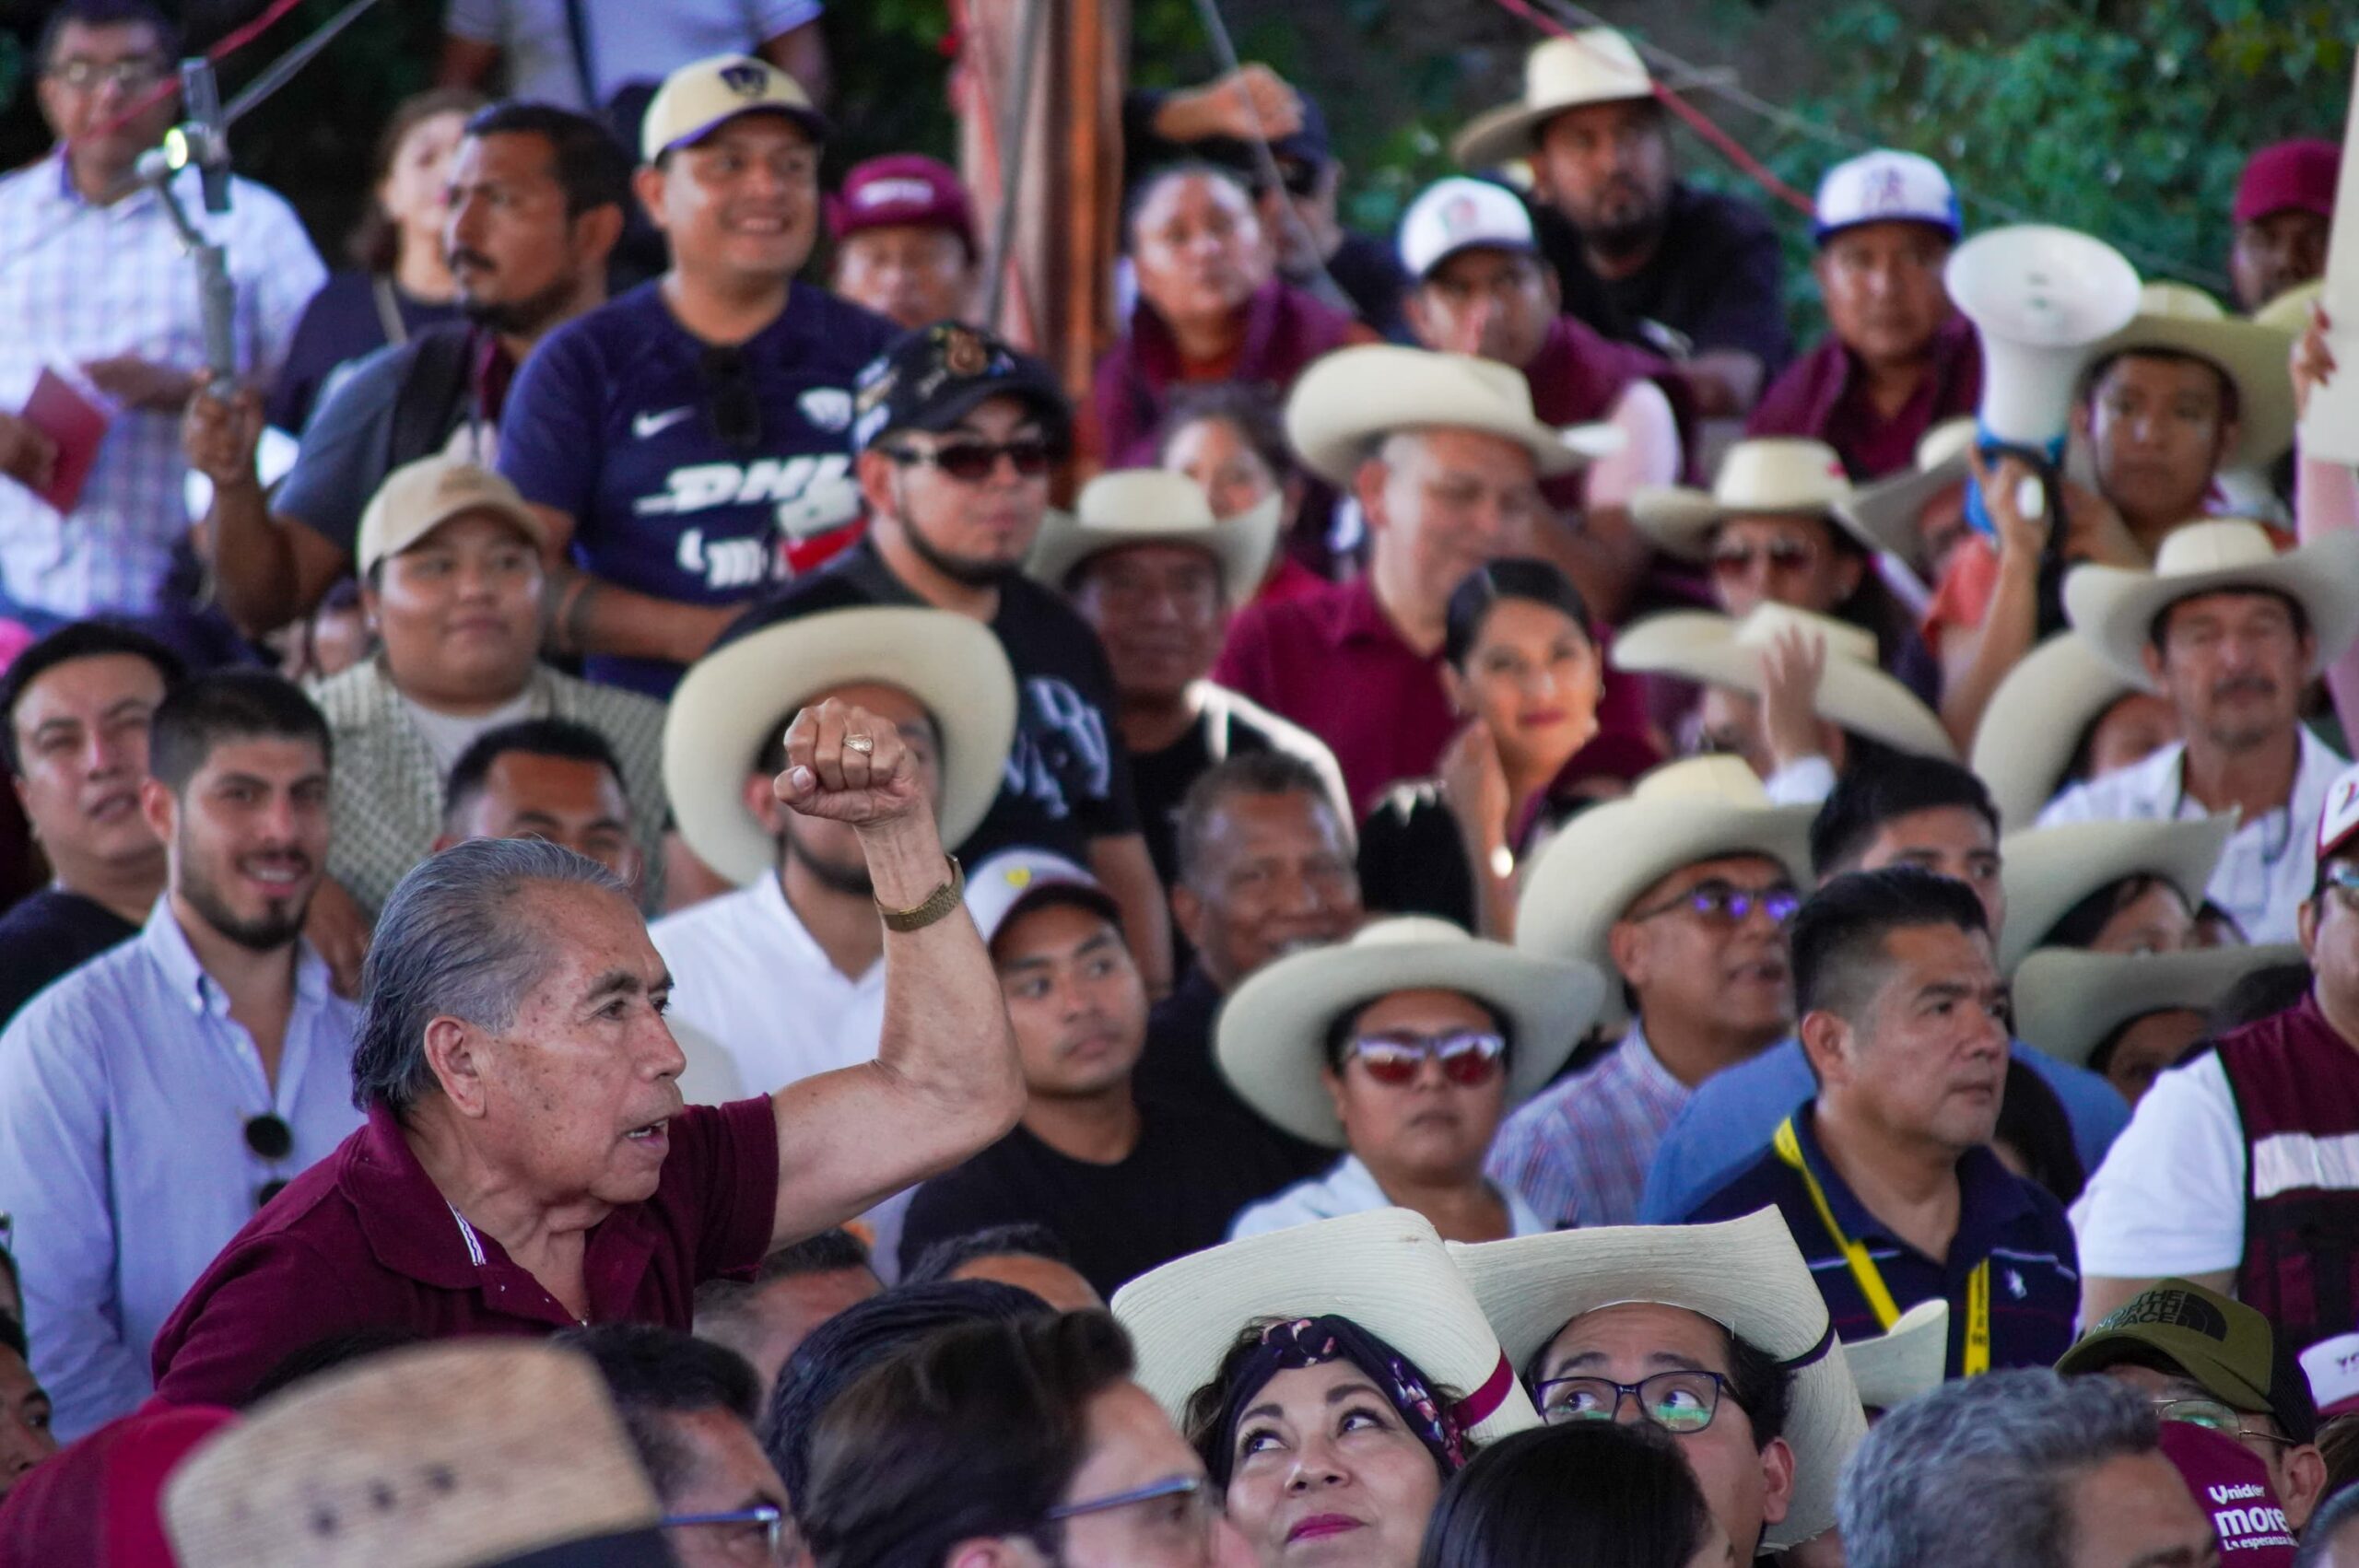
(1015, 121)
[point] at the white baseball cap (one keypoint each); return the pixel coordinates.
(2339, 818)
(2332, 1367)
(1885, 186)
(1457, 215)
(1020, 879)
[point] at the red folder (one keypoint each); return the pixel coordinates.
(77, 420)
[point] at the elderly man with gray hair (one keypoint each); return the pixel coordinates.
(2021, 1467)
(528, 1163)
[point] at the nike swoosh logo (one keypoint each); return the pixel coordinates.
(645, 425)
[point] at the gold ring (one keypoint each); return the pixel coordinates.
(861, 744)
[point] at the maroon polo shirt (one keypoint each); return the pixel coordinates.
(1818, 395)
(364, 1239)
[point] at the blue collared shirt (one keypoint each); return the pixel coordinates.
(2035, 1271)
(1731, 1115)
(125, 1092)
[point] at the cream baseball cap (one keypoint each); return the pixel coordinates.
(696, 99)
(418, 497)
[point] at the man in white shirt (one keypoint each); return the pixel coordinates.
(583, 55)
(2231, 632)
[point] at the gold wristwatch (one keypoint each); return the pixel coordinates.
(937, 904)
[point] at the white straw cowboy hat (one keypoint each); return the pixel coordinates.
(2046, 870)
(2035, 721)
(440, 1456)
(736, 697)
(1894, 1367)
(2067, 1001)
(1349, 401)
(1595, 66)
(2174, 318)
(2116, 607)
(1854, 693)
(1702, 808)
(1386, 1270)
(1746, 1275)
(1271, 1036)
(2290, 312)
(1886, 511)
(1152, 506)
(1769, 476)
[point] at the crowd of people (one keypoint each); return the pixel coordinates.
(663, 906)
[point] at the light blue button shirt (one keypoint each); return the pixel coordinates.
(125, 1092)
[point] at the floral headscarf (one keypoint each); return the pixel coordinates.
(1296, 1343)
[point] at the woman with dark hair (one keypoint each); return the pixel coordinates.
(401, 279)
(1225, 436)
(1520, 664)
(2033, 1139)
(1595, 1494)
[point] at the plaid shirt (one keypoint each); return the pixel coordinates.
(1579, 1152)
(117, 281)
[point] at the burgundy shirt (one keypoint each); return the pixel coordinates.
(1818, 395)
(364, 1239)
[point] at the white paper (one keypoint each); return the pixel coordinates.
(2331, 429)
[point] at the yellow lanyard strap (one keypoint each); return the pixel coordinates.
(1870, 1279)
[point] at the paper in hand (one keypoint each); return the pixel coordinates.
(75, 418)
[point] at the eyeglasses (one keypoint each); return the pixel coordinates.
(764, 1524)
(1724, 903)
(1679, 1402)
(2341, 879)
(269, 1137)
(971, 462)
(730, 401)
(84, 75)
(2214, 1416)
(1466, 1058)
(1782, 555)
(1183, 1511)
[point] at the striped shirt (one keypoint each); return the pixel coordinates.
(1578, 1154)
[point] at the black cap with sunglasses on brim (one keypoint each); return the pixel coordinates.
(934, 376)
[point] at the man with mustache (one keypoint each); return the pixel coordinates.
(536, 204)
(1885, 1177)
(152, 1100)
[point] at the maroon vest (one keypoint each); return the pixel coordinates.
(2296, 1087)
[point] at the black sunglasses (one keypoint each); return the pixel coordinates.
(269, 1137)
(971, 462)
(730, 400)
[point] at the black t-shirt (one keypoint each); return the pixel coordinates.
(1413, 861)
(1177, 1070)
(46, 935)
(1714, 281)
(1176, 1194)
(1370, 272)
(1068, 779)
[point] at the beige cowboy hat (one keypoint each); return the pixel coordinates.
(1886, 511)
(2175, 319)
(442, 1455)
(2046, 870)
(1699, 809)
(1154, 505)
(1273, 1032)
(2290, 312)
(1348, 400)
(2067, 1001)
(1769, 476)
(1386, 1270)
(1854, 693)
(1595, 66)
(1908, 1360)
(2115, 607)
(2034, 722)
(734, 697)
(1746, 1275)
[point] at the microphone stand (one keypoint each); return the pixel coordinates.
(201, 141)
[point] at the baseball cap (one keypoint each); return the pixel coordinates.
(1458, 213)
(2227, 1348)
(418, 497)
(2287, 175)
(2338, 819)
(906, 189)
(2332, 1367)
(1015, 881)
(933, 377)
(2230, 1483)
(698, 97)
(1886, 186)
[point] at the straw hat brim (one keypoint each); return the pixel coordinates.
(732, 698)
(1386, 1270)
(2035, 721)
(2115, 607)
(1241, 546)
(1272, 1033)
(2067, 1001)
(1702, 647)
(1512, 130)
(1679, 519)
(1894, 1367)
(1746, 1275)
(2252, 355)
(1884, 515)
(2046, 870)
(1348, 400)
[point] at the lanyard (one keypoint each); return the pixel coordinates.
(1870, 1279)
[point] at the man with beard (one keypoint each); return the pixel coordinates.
(537, 196)
(152, 1100)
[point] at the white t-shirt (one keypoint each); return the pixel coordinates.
(630, 40)
(2170, 1196)
(448, 735)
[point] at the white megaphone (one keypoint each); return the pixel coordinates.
(2040, 298)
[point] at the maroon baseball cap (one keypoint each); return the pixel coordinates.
(2231, 1485)
(2297, 174)
(905, 188)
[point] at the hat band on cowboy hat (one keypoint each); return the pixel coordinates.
(1766, 476)
(1127, 508)
(1349, 401)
